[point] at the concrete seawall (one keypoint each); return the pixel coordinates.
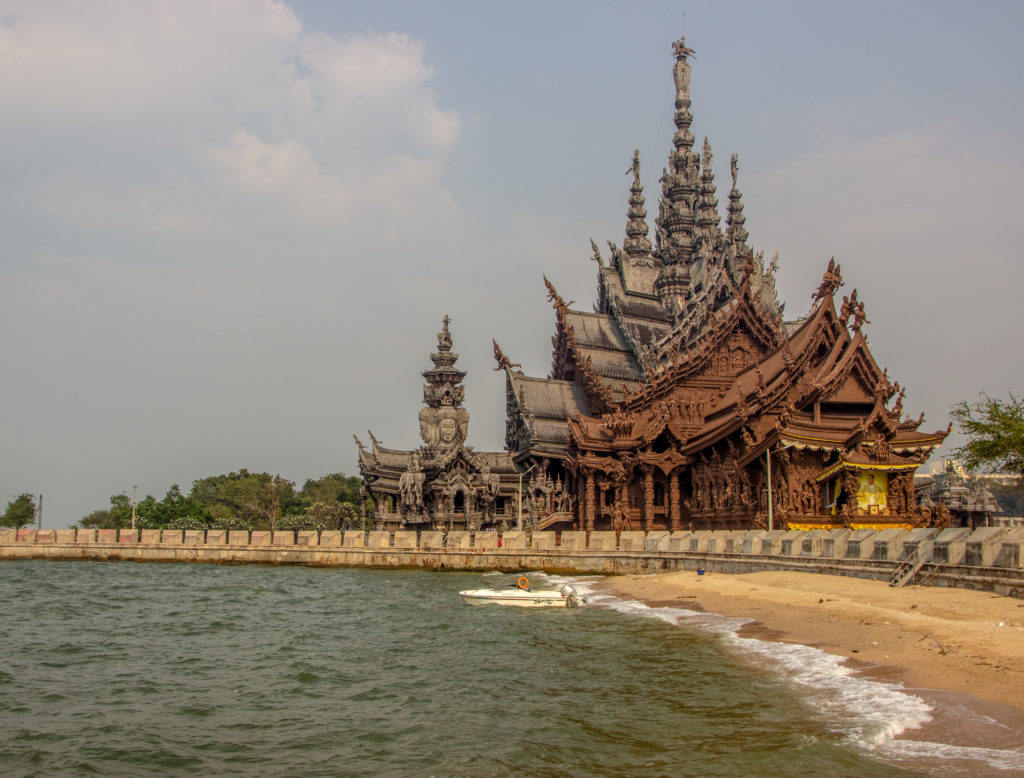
(988, 558)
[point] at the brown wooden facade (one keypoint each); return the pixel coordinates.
(670, 404)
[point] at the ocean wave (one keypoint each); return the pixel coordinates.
(868, 714)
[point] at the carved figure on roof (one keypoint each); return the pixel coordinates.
(617, 423)
(555, 297)
(881, 451)
(860, 318)
(597, 253)
(898, 408)
(616, 253)
(504, 363)
(830, 281)
(848, 307)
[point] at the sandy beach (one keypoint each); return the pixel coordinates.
(957, 640)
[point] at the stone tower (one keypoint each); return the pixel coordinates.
(444, 423)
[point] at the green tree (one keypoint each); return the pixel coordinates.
(21, 511)
(995, 434)
(335, 487)
(117, 516)
(1010, 498)
(247, 500)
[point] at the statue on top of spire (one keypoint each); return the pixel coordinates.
(681, 50)
(681, 71)
(444, 337)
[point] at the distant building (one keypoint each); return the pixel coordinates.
(685, 399)
(968, 500)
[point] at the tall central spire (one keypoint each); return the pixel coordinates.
(680, 184)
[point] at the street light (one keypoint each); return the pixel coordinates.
(519, 521)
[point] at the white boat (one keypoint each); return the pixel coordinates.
(523, 595)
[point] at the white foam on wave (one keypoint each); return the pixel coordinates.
(958, 758)
(869, 714)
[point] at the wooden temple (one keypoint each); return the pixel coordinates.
(686, 400)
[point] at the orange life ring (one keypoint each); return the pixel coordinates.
(523, 583)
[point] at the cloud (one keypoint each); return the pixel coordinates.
(184, 98)
(205, 204)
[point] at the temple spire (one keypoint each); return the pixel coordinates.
(709, 234)
(735, 232)
(444, 380)
(680, 185)
(443, 422)
(636, 244)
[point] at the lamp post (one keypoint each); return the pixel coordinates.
(134, 487)
(519, 521)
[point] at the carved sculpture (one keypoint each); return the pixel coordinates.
(504, 363)
(830, 281)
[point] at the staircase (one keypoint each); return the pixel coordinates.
(553, 519)
(907, 569)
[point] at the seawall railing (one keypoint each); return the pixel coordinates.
(985, 558)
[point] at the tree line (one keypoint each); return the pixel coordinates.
(243, 501)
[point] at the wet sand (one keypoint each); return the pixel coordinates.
(934, 640)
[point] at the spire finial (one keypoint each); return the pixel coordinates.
(637, 244)
(444, 337)
(734, 219)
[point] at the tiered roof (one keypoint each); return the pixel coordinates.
(697, 316)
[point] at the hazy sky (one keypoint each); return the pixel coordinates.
(229, 230)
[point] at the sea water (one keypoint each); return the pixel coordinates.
(149, 669)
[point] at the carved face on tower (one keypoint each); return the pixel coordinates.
(448, 428)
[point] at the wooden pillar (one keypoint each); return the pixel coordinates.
(579, 509)
(674, 506)
(588, 520)
(648, 498)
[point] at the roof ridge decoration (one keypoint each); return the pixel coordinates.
(831, 280)
(504, 363)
